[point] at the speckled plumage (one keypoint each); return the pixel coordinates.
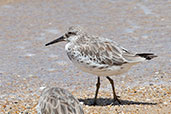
(58, 101)
(99, 56)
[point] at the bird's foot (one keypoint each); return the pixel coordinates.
(116, 99)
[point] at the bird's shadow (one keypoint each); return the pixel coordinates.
(109, 101)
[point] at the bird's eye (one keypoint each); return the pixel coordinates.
(71, 33)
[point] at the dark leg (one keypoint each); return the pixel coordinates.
(97, 89)
(113, 88)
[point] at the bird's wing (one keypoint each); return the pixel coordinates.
(106, 53)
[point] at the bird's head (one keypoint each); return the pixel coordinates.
(74, 32)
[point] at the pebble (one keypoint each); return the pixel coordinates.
(41, 88)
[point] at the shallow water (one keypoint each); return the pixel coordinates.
(142, 26)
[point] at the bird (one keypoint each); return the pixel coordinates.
(55, 100)
(99, 56)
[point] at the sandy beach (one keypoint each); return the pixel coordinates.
(27, 66)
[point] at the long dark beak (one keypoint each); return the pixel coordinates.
(56, 41)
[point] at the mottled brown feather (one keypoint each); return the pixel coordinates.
(58, 101)
(104, 53)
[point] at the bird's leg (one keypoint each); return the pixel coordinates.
(113, 88)
(97, 89)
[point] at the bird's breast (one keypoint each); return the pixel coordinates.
(68, 47)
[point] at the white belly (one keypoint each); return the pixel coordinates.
(110, 71)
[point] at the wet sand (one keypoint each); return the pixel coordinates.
(27, 66)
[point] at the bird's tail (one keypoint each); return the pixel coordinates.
(148, 56)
